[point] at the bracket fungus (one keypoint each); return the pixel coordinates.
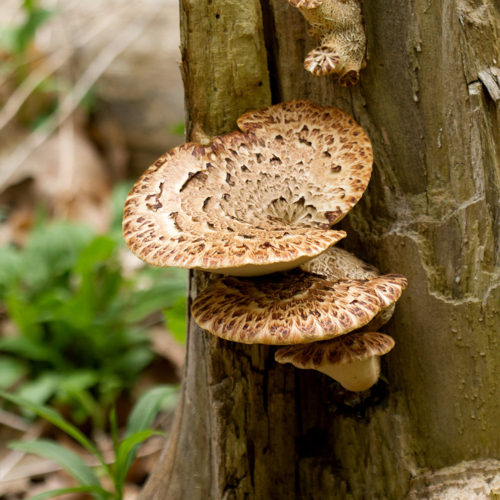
(353, 360)
(338, 24)
(254, 202)
(337, 263)
(294, 308)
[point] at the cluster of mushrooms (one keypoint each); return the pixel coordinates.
(338, 25)
(258, 206)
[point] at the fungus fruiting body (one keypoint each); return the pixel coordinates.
(292, 308)
(353, 360)
(337, 263)
(254, 202)
(338, 24)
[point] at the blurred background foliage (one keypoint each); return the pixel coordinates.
(77, 321)
(90, 95)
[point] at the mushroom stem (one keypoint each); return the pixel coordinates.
(357, 376)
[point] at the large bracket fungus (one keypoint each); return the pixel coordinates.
(254, 202)
(338, 24)
(294, 308)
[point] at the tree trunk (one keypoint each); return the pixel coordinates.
(249, 428)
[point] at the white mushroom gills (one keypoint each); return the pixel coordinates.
(356, 376)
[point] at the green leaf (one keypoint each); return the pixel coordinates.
(55, 418)
(86, 406)
(51, 251)
(134, 360)
(175, 318)
(11, 370)
(113, 424)
(126, 454)
(67, 459)
(39, 390)
(27, 348)
(99, 250)
(79, 380)
(147, 407)
(142, 415)
(10, 262)
(46, 495)
(26, 32)
(156, 297)
(8, 39)
(177, 129)
(24, 315)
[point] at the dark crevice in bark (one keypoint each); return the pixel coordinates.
(272, 50)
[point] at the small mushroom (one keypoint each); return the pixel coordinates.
(338, 24)
(292, 308)
(337, 263)
(353, 360)
(256, 202)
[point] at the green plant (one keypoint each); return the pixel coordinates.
(16, 40)
(125, 449)
(175, 319)
(177, 129)
(80, 326)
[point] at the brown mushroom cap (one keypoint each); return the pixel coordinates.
(352, 359)
(350, 348)
(256, 202)
(337, 263)
(293, 308)
(338, 24)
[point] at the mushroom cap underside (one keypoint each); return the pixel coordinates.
(337, 263)
(350, 348)
(259, 198)
(294, 308)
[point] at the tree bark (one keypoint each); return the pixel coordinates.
(248, 428)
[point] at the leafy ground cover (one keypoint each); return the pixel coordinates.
(76, 315)
(77, 321)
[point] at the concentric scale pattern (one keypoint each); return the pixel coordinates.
(356, 346)
(337, 263)
(297, 308)
(255, 202)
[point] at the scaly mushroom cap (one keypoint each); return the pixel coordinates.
(338, 24)
(293, 308)
(350, 348)
(337, 263)
(256, 202)
(353, 359)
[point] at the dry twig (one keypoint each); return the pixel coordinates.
(14, 421)
(14, 457)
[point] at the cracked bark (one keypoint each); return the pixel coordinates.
(247, 428)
